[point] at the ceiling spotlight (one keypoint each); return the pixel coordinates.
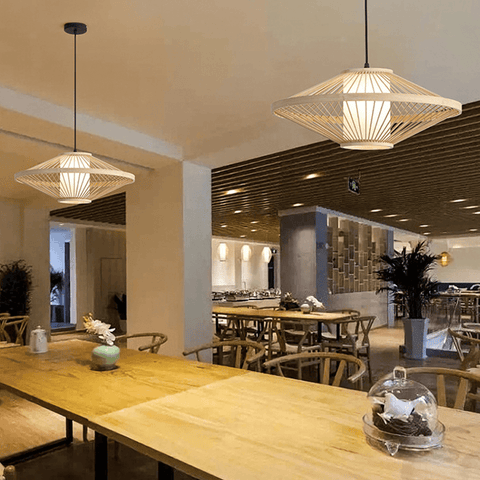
(254, 221)
(458, 200)
(297, 205)
(404, 220)
(375, 210)
(233, 191)
(426, 233)
(242, 236)
(237, 211)
(312, 175)
(253, 230)
(223, 226)
(476, 213)
(470, 206)
(424, 226)
(473, 230)
(392, 215)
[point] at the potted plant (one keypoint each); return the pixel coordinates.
(15, 290)
(409, 280)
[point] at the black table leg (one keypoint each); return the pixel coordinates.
(165, 472)
(101, 457)
(68, 431)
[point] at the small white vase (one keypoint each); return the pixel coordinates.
(104, 357)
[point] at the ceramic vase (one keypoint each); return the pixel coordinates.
(104, 357)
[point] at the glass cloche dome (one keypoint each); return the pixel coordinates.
(403, 414)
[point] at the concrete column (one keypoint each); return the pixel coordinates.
(169, 255)
(303, 239)
(36, 252)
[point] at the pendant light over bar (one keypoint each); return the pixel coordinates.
(75, 177)
(367, 108)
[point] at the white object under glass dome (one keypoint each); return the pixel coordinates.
(403, 415)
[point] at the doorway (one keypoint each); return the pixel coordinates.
(60, 277)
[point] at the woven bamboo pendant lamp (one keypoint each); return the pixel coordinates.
(75, 177)
(367, 108)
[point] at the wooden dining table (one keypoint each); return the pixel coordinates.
(215, 422)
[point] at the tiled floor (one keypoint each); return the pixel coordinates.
(75, 462)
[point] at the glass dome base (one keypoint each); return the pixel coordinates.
(392, 442)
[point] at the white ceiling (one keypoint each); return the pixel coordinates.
(195, 80)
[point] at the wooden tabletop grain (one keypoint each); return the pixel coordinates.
(289, 315)
(220, 423)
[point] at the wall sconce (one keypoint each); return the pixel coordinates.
(222, 251)
(445, 259)
(266, 254)
(246, 253)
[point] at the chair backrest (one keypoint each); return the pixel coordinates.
(157, 339)
(301, 361)
(234, 353)
(7, 473)
(459, 386)
(19, 323)
(462, 339)
(356, 330)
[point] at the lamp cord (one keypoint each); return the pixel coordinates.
(366, 37)
(75, 90)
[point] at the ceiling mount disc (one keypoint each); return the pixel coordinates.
(75, 28)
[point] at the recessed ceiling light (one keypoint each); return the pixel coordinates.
(424, 226)
(476, 213)
(312, 175)
(473, 230)
(375, 210)
(404, 220)
(471, 206)
(237, 211)
(254, 221)
(297, 204)
(242, 236)
(223, 226)
(458, 200)
(232, 191)
(426, 233)
(392, 215)
(253, 230)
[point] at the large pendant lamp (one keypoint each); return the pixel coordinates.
(75, 177)
(367, 108)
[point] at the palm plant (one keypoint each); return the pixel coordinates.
(409, 278)
(15, 288)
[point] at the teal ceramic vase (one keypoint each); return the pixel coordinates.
(104, 357)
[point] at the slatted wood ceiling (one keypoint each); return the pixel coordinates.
(417, 180)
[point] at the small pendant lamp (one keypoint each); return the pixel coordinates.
(222, 251)
(367, 108)
(246, 253)
(75, 177)
(266, 254)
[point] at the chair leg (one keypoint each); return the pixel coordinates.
(85, 433)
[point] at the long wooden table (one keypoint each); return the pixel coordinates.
(216, 422)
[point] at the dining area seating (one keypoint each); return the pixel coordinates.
(243, 354)
(326, 367)
(12, 329)
(7, 473)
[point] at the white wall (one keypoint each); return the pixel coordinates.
(11, 224)
(235, 274)
(465, 259)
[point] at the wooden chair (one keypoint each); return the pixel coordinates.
(7, 473)
(234, 353)
(461, 383)
(465, 343)
(18, 322)
(301, 361)
(354, 339)
(157, 339)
